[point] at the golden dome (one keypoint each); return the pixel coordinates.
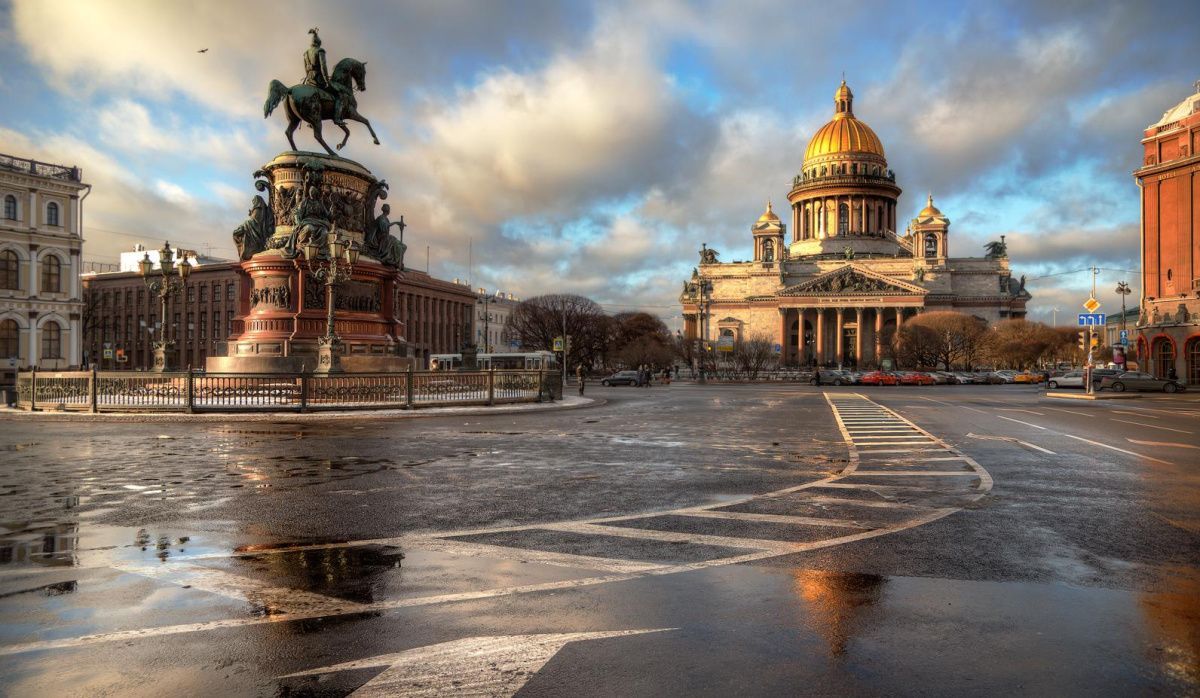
(844, 133)
(929, 210)
(769, 215)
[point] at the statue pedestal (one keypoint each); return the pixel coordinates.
(282, 312)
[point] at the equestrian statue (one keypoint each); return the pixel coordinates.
(321, 95)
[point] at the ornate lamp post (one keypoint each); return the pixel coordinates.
(336, 267)
(168, 281)
(705, 289)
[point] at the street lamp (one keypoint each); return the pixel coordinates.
(331, 267)
(705, 287)
(168, 281)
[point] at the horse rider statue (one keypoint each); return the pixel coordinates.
(316, 74)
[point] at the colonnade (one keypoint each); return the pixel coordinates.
(827, 343)
(819, 218)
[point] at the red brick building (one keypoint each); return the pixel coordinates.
(1168, 331)
(121, 314)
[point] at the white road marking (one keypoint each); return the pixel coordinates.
(1017, 409)
(1020, 422)
(1059, 409)
(911, 473)
(954, 405)
(476, 666)
(771, 518)
(1135, 414)
(1011, 439)
(1161, 443)
(1151, 426)
(1114, 448)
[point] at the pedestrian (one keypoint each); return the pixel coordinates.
(579, 377)
(1171, 373)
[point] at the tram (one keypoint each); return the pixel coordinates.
(530, 360)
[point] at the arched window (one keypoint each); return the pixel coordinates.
(10, 270)
(1193, 362)
(843, 219)
(10, 207)
(1164, 357)
(51, 340)
(51, 274)
(10, 335)
(52, 214)
(768, 251)
(931, 245)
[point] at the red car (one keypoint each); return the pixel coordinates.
(916, 378)
(879, 378)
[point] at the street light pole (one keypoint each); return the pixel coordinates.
(171, 279)
(340, 258)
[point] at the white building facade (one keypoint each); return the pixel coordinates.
(41, 243)
(492, 310)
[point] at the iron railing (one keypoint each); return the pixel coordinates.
(192, 391)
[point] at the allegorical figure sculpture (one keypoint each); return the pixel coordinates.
(381, 244)
(252, 236)
(321, 95)
(310, 225)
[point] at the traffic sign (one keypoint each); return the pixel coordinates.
(778, 348)
(1091, 305)
(108, 353)
(1089, 319)
(558, 344)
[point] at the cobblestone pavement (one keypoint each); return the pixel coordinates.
(829, 536)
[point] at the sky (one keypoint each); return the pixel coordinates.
(592, 147)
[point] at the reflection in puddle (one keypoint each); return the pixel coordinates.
(837, 602)
(356, 573)
(1173, 619)
(42, 544)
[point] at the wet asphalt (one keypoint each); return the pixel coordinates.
(1033, 546)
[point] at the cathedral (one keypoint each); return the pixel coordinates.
(837, 286)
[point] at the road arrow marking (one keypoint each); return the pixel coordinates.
(492, 665)
(1161, 443)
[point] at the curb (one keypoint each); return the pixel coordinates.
(293, 417)
(1094, 396)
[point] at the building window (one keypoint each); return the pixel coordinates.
(10, 207)
(1164, 358)
(931, 246)
(52, 214)
(191, 294)
(10, 270)
(203, 293)
(843, 219)
(1193, 361)
(216, 325)
(52, 275)
(10, 335)
(229, 292)
(191, 327)
(51, 340)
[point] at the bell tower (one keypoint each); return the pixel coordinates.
(929, 231)
(768, 232)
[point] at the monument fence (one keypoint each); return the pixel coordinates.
(197, 391)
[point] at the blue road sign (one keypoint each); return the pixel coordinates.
(1124, 341)
(1124, 334)
(1089, 319)
(778, 348)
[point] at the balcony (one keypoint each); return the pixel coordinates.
(803, 182)
(40, 169)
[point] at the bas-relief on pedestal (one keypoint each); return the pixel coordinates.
(282, 316)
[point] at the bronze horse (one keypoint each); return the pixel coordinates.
(313, 105)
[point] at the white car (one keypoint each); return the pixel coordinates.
(1072, 379)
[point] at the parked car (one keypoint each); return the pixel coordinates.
(830, 377)
(879, 378)
(1071, 379)
(943, 378)
(994, 378)
(621, 378)
(964, 378)
(915, 378)
(1133, 380)
(1027, 377)
(1099, 374)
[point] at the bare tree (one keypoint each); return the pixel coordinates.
(754, 355)
(537, 321)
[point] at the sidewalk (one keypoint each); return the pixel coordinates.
(567, 403)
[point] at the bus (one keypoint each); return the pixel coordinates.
(530, 360)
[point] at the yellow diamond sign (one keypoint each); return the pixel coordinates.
(1091, 305)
